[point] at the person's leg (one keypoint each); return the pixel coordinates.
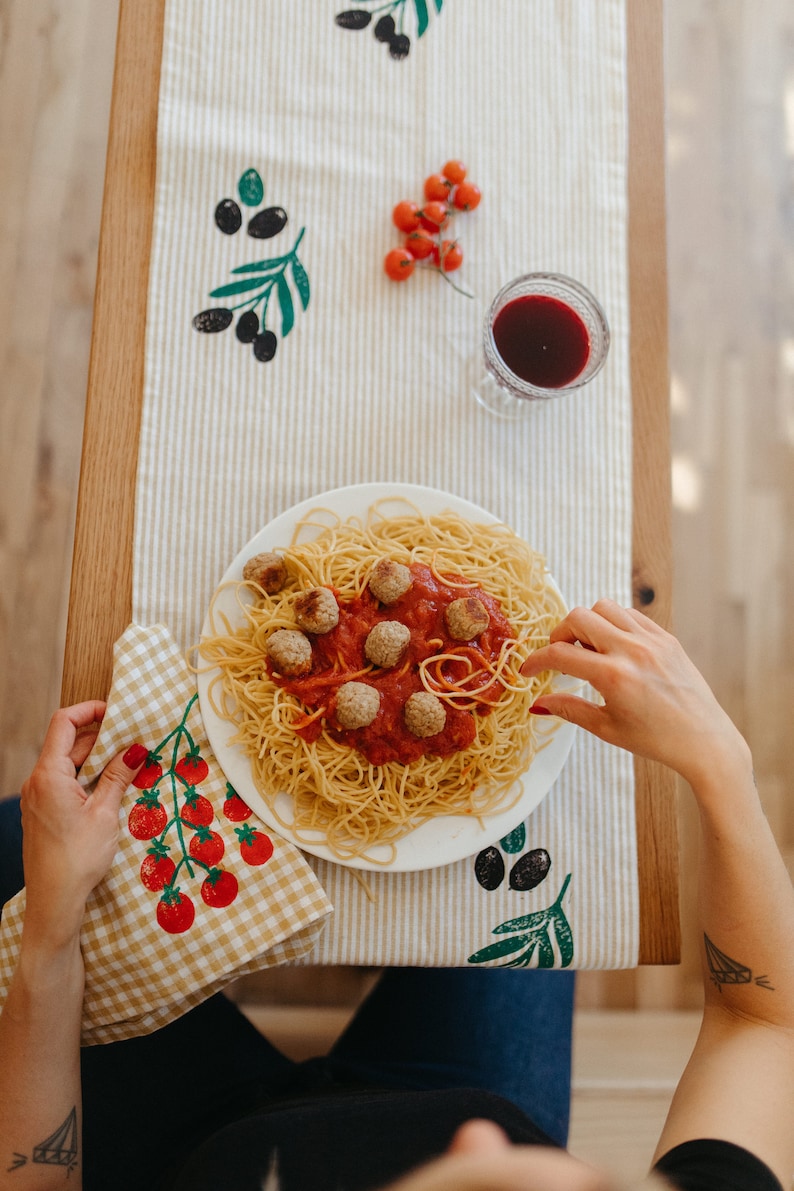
(506, 1032)
(11, 875)
(148, 1101)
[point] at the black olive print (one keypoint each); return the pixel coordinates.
(213, 320)
(228, 216)
(268, 223)
(354, 18)
(489, 868)
(530, 870)
(265, 346)
(247, 327)
(400, 46)
(384, 29)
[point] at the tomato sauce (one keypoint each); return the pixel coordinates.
(338, 657)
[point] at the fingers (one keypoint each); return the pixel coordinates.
(587, 631)
(82, 746)
(595, 626)
(567, 658)
(115, 779)
(65, 725)
(478, 1136)
(582, 712)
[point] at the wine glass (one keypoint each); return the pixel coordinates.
(544, 335)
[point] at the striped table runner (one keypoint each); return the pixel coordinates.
(294, 119)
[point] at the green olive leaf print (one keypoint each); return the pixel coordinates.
(251, 188)
(514, 840)
(531, 936)
(236, 287)
(301, 279)
(287, 307)
(422, 17)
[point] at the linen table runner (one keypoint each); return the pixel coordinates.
(281, 362)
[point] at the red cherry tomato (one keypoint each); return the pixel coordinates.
(219, 888)
(454, 171)
(420, 244)
(451, 256)
(405, 216)
(433, 216)
(436, 188)
(467, 196)
(399, 264)
(175, 912)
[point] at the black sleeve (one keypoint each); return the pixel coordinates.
(716, 1166)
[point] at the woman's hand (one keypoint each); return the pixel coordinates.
(656, 703)
(70, 837)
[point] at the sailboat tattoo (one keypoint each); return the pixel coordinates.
(724, 970)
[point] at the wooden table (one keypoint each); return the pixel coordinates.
(101, 596)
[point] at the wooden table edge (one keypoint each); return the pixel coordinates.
(655, 786)
(100, 599)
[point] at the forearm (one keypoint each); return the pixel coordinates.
(745, 900)
(40, 1117)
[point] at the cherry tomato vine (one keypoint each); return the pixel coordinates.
(425, 226)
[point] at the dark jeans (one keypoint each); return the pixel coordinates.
(149, 1100)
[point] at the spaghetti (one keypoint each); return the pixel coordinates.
(354, 791)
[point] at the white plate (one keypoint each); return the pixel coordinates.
(441, 840)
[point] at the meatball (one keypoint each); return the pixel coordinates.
(467, 618)
(317, 611)
(425, 715)
(387, 642)
(268, 570)
(289, 651)
(389, 580)
(356, 704)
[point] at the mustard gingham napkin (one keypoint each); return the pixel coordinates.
(200, 892)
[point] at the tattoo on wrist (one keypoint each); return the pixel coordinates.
(59, 1149)
(724, 970)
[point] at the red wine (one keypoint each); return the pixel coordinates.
(542, 340)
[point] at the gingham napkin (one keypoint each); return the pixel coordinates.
(200, 892)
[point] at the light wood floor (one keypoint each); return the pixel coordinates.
(730, 100)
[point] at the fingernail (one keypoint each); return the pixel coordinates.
(135, 755)
(536, 709)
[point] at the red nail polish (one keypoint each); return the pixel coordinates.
(135, 755)
(536, 710)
